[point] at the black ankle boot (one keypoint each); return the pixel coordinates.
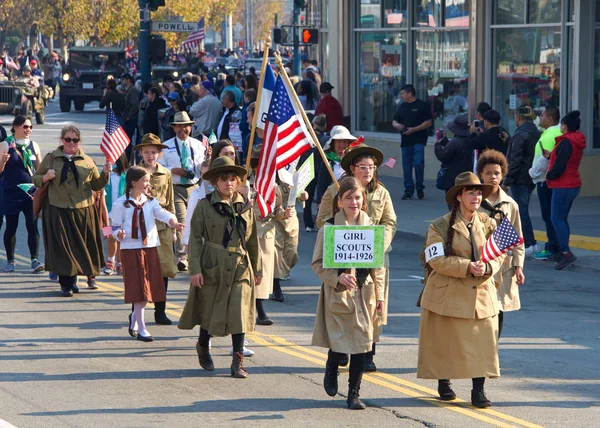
(369, 364)
(160, 317)
(445, 390)
(479, 400)
(344, 360)
(204, 358)
(277, 293)
(353, 400)
(330, 381)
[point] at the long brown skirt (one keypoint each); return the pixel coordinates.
(72, 241)
(142, 276)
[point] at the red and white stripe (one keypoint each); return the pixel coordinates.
(113, 145)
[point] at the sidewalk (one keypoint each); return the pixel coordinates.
(414, 216)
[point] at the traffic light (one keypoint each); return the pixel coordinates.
(155, 4)
(280, 36)
(300, 4)
(310, 36)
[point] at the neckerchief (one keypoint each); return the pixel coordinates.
(138, 221)
(234, 220)
(185, 158)
(69, 164)
(24, 152)
(333, 157)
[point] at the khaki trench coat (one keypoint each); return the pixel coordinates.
(458, 334)
(225, 303)
(161, 188)
(381, 211)
(286, 239)
(345, 319)
(508, 291)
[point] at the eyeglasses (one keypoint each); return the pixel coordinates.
(27, 126)
(364, 168)
(71, 140)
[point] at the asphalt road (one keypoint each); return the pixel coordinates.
(71, 363)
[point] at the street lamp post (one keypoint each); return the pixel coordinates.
(144, 40)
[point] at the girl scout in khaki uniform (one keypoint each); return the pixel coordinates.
(362, 162)
(458, 334)
(161, 189)
(225, 265)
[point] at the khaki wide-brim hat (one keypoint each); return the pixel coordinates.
(361, 149)
(150, 140)
(222, 165)
(182, 118)
(467, 179)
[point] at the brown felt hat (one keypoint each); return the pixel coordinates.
(223, 164)
(467, 179)
(150, 140)
(361, 149)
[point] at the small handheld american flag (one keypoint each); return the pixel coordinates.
(109, 230)
(114, 140)
(390, 163)
(503, 239)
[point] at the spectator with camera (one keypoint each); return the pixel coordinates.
(491, 137)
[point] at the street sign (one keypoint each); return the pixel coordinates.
(174, 26)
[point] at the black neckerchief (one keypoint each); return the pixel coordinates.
(234, 219)
(69, 163)
(495, 212)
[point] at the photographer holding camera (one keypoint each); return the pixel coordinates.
(491, 138)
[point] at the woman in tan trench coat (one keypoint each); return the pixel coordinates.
(362, 162)
(225, 264)
(458, 333)
(348, 302)
(491, 168)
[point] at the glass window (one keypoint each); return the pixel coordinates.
(509, 12)
(383, 13)
(597, 92)
(370, 14)
(428, 13)
(571, 16)
(597, 12)
(442, 60)
(456, 13)
(544, 11)
(527, 70)
(382, 62)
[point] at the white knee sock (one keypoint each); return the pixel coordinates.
(138, 315)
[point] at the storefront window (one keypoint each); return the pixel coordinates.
(382, 72)
(442, 60)
(456, 13)
(428, 13)
(597, 91)
(383, 13)
(544, 11)
(527, 69)
(509, 12)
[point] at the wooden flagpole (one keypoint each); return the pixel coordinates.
(257, 104)
(285, 77)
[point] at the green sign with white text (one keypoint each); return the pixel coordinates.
(353, 247)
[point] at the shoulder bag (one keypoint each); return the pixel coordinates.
(41, 193)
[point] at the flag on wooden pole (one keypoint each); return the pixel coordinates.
(114, 140)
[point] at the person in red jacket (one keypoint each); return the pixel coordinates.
(564, 180)
(330, 107)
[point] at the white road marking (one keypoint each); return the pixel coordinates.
(4, 424)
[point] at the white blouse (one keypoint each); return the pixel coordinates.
(122, 218)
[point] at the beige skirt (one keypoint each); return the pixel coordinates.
(457, 348)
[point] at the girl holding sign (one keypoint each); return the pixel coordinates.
(458, 334)
(362, 162)
(349, 300)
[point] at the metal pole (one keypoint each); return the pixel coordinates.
(251, 26)
(144, 39)
(297, 65)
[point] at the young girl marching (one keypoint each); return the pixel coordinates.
(134, 214)
(348, 302)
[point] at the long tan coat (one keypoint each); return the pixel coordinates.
(508, 291)
(459, 324)
(345, 319)
(225, 303)
(286, 239)
(161, 189)
(381, 211)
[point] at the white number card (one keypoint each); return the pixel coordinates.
(434, 251)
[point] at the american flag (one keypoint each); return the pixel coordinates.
(11, 64)
(390, 163)
(286, 138)
(114, 140)
(195, 37)
(109, 230)
(503, 239)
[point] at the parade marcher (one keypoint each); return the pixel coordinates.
(115, 188)
(339, 140)
(565, 181)
(70, 223)
(133, 216)
(458, 333)
(348, 302)
(19, 159)
(362, 162)
(225, 265)
(491, 168)
(183, 157)
(161, 189)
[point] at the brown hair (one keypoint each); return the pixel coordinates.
(134, 173)
(349, 184)
(453, 212)
(492, 157)
(70, 128)
(218, 146)
(225, 176)
(371, 185)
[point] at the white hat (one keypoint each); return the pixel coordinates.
(339, 132)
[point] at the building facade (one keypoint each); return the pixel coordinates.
(459, 52)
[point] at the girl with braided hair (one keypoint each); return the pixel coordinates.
(458, 334)
(133, 216)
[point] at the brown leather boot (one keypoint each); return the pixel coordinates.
(204, 358)
(237, 366)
